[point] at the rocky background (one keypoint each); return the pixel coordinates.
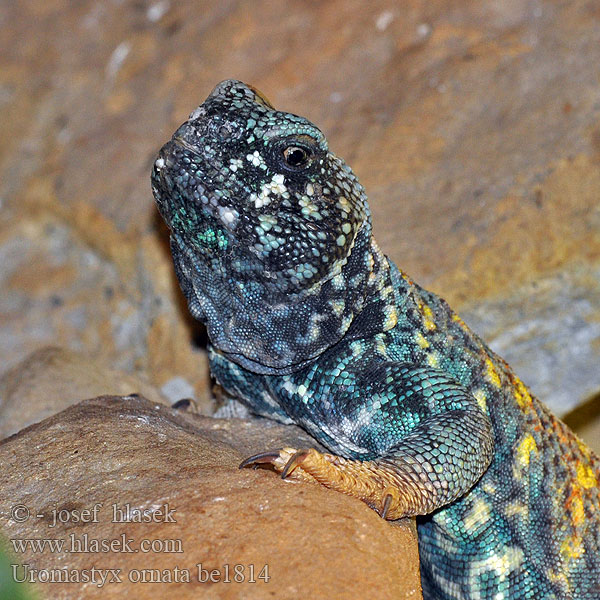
(474, 126)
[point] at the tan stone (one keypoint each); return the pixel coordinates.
(52, 379)
(127, 451)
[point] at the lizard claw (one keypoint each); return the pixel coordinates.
(386, 506)
(362, 479)
(295, 460)
(260, 459)
(286, 460)
(289, 462)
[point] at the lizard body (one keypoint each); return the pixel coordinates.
(311, 323)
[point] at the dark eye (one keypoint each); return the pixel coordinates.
(296, 157)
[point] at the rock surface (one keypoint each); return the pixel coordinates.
(181, 468)
(475, 128)
(52, 379)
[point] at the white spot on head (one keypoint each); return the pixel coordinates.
(255, 158)
(159, 163)
(274, 187)
(235, 164)
(227, 215)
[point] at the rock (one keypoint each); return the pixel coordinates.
(583, 420)
(52, 379)
(548, 331)
(59, 291)
(99, 457)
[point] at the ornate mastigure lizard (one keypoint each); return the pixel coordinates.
(310, 323)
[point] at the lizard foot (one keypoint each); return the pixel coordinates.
(375, 484)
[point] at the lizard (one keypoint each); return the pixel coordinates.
(310, 323)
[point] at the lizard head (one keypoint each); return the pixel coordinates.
(241, 179)
(261, 215)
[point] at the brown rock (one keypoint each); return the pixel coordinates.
(117, 452)
(52, 379)
(58, 291)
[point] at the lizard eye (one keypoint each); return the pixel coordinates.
(296, 157)
(293, 154)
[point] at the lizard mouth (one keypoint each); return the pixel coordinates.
(171, 179)
(182, 142)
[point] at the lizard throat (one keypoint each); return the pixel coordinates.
(275, 337)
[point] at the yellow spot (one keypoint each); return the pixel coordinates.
(481, 399)
(315, 331)
(521, 393)
(478, 515)
(514, 558)
(460, 322)
(492, 375)
(577, 510)
(571, 547)
(432, 359)
(516, 508)
(524, 450)
(381, 347)
(338, 307)
(391, 318)
(420, 339)
(406, 277)
(488, 487)
(356, 348)
(586, 476)
(502, 563)
(559, 579)
(427, 317)
(388, 290)
(338, 281)
(344, 204)
(583, 449)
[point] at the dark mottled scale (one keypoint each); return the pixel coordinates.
(310, 323)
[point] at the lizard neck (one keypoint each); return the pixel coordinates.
(387, 292)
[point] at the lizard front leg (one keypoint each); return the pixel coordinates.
(439, 443)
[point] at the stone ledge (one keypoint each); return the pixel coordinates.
(123, 451)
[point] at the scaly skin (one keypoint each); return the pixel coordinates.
(310, 323)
